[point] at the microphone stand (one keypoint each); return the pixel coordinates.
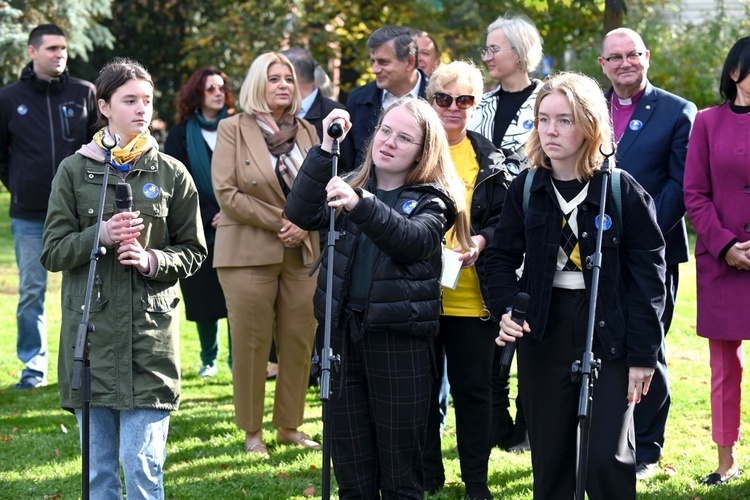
(586, 369)
(327, 358)
(81, 379)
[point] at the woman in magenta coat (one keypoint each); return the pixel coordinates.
(717, 197)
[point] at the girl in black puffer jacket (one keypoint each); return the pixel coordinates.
(392, 215)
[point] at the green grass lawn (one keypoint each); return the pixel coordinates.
(40, 454)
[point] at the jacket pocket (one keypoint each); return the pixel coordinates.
(75, 303)
(163, 302)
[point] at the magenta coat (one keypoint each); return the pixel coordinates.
(717, 198)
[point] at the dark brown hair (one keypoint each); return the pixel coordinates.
(190, 97)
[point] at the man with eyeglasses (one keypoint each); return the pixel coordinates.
(652, 127)
(393, 55)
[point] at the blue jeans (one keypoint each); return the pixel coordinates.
(138, 438)
(31, 344)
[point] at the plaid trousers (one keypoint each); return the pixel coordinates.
(379, 408)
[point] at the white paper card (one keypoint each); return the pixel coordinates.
(451, 268)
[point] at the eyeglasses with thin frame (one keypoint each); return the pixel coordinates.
(403, 141)
(562, 125)
(491, 51)
(213, 88)
(617, 59)
(462, 101)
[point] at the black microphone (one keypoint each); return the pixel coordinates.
(518, 315)
(335, 129)
(123, 198)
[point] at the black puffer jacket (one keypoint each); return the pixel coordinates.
(405, 294)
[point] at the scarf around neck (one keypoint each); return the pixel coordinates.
(124, 156)
(198, 155)
(280, 139)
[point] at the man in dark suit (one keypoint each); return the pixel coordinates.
(315, 106)
(652, 127)
(393, 55)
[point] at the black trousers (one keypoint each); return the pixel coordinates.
(652, 412)
(469, 345)
(550, 402)
(379, 412)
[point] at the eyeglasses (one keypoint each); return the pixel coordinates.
(562, 125)
(617, 59)
(462, 101)
(491, 51)
(402, 141)
(212, 88)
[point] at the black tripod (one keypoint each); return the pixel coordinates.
(586, 369)
(327, 359)
(81, 379)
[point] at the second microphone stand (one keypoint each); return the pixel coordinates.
(81, 379)
(327, 359)
(586, 369)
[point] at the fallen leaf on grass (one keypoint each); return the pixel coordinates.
(670, 470)
(224, 466)
(56, 496)
(309, 491)
(57, 452)
(63, 429)
(313, 467)
(283, 475)
(243, 491)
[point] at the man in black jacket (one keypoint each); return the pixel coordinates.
(44, 117)
(393, 55)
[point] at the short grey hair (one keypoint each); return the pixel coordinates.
(404, 40)
(303, 62)
(523, 36)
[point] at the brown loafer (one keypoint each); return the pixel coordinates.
(298, 438)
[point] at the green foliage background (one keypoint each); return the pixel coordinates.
(173, 38)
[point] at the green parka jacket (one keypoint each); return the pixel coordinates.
(134, 353)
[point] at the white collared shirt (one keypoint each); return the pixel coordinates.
(307, 102)
(387, 98)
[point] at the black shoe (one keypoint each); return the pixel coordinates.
(30, 382)
(477, 491)
(644, 470)
(433, 484)
(519, 445)
(716, 480)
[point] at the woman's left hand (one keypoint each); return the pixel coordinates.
(131, 253)
(639, 380)
(469, 258)
(291, 235)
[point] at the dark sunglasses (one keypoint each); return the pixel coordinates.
(462, 101)
(211, 88)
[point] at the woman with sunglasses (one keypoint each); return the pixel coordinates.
(392, 215)
(554, 223)
(506, 117)
(466, 335)
(201, 104)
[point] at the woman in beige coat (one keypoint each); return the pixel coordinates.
(263, 259)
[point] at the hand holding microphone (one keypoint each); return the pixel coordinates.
(125, 224)
(336, 125)
(512, 326)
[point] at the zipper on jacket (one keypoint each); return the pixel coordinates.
(51, 133)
